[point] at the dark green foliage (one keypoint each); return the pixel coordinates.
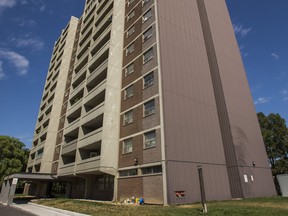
(13, 156)
(275, 134)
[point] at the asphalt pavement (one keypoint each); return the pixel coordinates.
(11, 211)
(32, 209)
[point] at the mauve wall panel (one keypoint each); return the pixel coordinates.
(247, 139)
(190, 114)
(192, 132)
(184, 177)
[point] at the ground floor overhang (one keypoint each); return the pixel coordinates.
(10, 183)
(32, 176)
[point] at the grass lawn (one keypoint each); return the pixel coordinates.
(254, 207)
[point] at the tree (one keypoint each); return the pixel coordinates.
(13, 156)
(275, 136)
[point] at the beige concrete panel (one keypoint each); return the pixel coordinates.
(111, 122)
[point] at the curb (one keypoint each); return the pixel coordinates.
(17, 207)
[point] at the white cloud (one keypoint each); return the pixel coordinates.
(256, 88)
(23, 22)
(262, 100)
(274, 55)
(7, 3)
(42, 8)
(239, 29)
(284, 94)
(17, 60)
(24, 1)
(11, 3)
(39, 4)
(243, 52)
(2, 74)
(27, 41)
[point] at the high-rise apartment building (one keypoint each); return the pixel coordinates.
(139, 95)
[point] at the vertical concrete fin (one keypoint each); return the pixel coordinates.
(233, 173)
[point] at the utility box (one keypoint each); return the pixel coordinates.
(283, 183)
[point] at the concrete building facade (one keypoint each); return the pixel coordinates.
(147, 92)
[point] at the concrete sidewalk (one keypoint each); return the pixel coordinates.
(45, 210)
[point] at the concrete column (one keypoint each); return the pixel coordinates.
(89, 187)
(11, 192)
(115, 193)
(5, 192)
(26, 189)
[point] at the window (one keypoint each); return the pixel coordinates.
(149, 108)
(150, 139)
(99, 182)
(147, 34)
(127, 146)
(130, 2)
(131, 15)
(94, 154)
(109, 182)
(39, 153)
(152, 170)
(128, 92)
(144, 2)
(148, 80)
(147, 15)
(132, 172)
(104, 182)
(130, 49)
(129, 69)
(148, 55)
(131, 31)
(128, 117)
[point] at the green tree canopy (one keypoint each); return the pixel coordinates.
(275, 136)
(13, 156)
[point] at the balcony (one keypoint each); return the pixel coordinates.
(91, 164)
(89, 12)
(102, 25)
(94, 113)
(99, 57)
(67, 169)
(95, 74)
(77, 93)
(44, 130)
(69, 147)
(86, 37)
(74, 108)
(103, 11)
(37, 160)
(94, 137)
(83, 49)
(101, 41)
(76, 97)
(81, 62)
(30, 163)
(87, 24)
(95, 103)
(97, 90)
(73, 126)
(92, 127)
(79, 73)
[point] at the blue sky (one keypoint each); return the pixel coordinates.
(29, 29)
